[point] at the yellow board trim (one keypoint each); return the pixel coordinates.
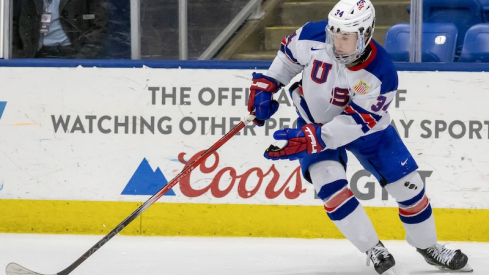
(233, 220)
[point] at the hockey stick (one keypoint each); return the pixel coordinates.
(16, 269)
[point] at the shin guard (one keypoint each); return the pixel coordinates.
(414, 210)
(341, 206)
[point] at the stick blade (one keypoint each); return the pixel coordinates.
(15, 269)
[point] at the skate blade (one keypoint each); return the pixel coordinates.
(466, 268)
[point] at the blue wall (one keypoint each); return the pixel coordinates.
(217, 64)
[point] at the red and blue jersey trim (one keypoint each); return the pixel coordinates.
(284, 47)
(362, 117)
(380, 65)
(369, 60)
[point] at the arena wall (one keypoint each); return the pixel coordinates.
(81, 148)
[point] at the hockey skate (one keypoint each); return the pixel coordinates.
(445, 259)
(381, 258)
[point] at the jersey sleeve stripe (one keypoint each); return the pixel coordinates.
(302, 109)
(365, 119)
(284, 47)
(369, 120)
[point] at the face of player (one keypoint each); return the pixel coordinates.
(345, 43)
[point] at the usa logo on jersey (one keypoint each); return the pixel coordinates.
(361, 88)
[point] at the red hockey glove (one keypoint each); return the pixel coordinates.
(260, 102)
(300, 143)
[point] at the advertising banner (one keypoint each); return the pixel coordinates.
(98, 134)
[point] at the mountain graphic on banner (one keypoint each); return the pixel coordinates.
(145, 181)
(2, 107)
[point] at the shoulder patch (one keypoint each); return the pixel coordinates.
(361, 87)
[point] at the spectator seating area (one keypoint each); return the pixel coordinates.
(438, 44)
(453, 31)
(476, 44)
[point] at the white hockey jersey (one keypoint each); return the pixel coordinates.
(348, 102)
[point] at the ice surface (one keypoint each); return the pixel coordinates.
(125, 255)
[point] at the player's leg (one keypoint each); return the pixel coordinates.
(326, 170)
(396, 169)
(414, 210)
(417, 218)
(329, 180)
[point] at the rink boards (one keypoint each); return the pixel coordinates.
(81, 148)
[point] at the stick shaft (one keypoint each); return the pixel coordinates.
(185, 172)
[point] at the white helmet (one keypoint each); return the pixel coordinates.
(351, 16)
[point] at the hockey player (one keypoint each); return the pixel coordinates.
(348, 82)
